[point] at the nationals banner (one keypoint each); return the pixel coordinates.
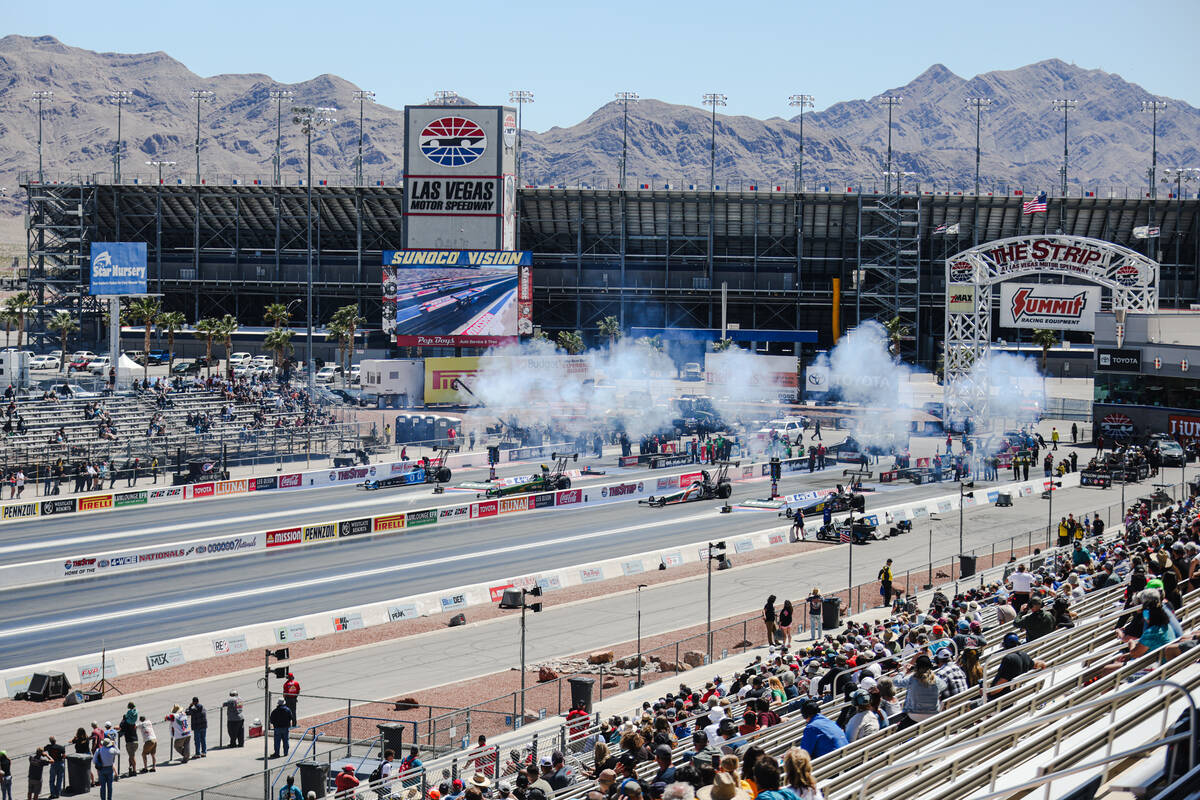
(1055, 306)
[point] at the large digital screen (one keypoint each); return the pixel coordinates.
(452, 298)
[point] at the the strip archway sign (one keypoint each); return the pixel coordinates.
(1130, 281)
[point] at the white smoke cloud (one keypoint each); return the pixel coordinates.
(1015, 391)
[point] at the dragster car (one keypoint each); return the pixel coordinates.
(815, 502)
(424, 471)
(545, 481)
(706, 488)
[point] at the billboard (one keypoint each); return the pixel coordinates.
(453, 298)
(459, 191)
(440, 374)
(960, 299)
(118, 268)
(1055, 306)
(1113, 359)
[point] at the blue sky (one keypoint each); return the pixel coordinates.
(573, 56)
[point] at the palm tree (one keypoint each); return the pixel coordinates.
(652, 343)
(64, 325)
(276, 315)
(539, 335)
(351, 321)
(279, 342)
(20, 304)
(208, 329)
(171, 321)
(146, 310)
(226, 327)
(721, 345)
(1044, 339)
(337, 330)
(897, 332)
(571, 341)
(9, 317)
(610, 328)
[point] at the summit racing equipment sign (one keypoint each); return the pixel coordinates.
(453, 141)
(1054, 306)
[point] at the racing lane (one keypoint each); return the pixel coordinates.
(48, 621)
(450, 317)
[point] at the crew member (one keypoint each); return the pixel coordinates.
(885, 582)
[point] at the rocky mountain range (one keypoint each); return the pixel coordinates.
(933, 134)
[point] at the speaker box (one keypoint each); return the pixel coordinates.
(458, 619)
(48, 686)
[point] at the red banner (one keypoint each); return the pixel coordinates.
(1184, 426)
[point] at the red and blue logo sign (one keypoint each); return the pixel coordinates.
(453, 141)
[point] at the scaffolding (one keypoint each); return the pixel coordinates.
(57, 239)
(889, 264)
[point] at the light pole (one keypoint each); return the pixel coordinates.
(362, 97)
(1050, 512)
(640, 586)
(200, 96)
(961, 496)
(158, 221)
(714, 99)
(1153, 106)
(309, 118)
(520, 97)
(625, 98)
(716, 552)
(513, 599)
(1064, 104)
(1182, 174)
(120, 97)
(978, 104)
(801, 101)
(889, 101)
(41, 96)
(279, 96)
(281, 654)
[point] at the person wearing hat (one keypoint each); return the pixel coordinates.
(538, 779)
(723, 787)
(346, 780)
(923, 698)
(604, 785)
(1037, 623)
(1014, 663)
(814, 603)
(282, 721)
(665, 775)
(951, 673)
(199, 717)
(291, 691)
(235, 722)
(559, 779)
(480, 782)
(105, 759)
(866, 719)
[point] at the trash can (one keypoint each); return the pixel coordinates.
(581, 692)
(831, 612)
(79, 773)
(966, 566)
(392, 734)
(314, 777)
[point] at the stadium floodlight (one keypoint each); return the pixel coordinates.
(978, 105)
(160, 165)
(1153, 107)
(1179, 175)
(889, 101)
(1065, 105)
(520, 97)
(362, 96)
(801, 101)
(626, 98)
(200, 96)
(120, 97)
(41, 96)
(310, 118)
(714, 99)
(279, 95)
(443, 97)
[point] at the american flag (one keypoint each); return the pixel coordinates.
(1034, 206)
(844, 536)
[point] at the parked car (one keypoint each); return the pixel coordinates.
(262, 361)
(136, 356)
(239, 359)
(43, 362)
(691, 371)
(99, 365)
(329, 373)
(158, 357)
(355, 373)
(80, 360)
(188, 367)
(351, 397)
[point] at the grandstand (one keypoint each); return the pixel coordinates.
(216, 249)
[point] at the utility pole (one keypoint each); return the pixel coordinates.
(158, 222)
(978, 104)
(362, 97)
(625, 98)
(889, 101)
(801, 101)
(520, 97)
(200, 96)
(279, 96)
(714, 99)
(41, 96)
(1064, 104)
(310, 118)
(1153, 106)
(120, 97)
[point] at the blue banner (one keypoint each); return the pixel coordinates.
(457, 258)
(118, 268)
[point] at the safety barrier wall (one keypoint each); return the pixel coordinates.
(162, 654)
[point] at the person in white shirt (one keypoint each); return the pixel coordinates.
(181, 733)
(149, 743)
(1021, 582)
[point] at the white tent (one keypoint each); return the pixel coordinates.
(128, 370)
